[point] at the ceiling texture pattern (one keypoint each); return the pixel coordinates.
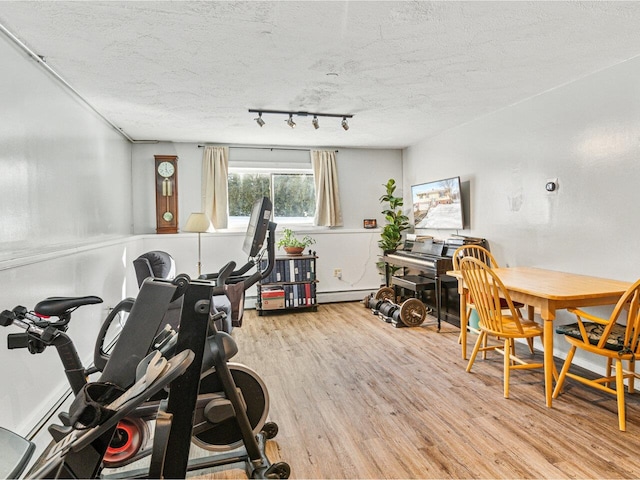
(189, 71)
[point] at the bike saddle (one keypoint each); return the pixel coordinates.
(56, 306)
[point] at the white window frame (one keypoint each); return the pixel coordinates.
(240, 222)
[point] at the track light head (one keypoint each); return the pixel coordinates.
(259, 120)
(290, 121)
(315, 122)
(345, 125)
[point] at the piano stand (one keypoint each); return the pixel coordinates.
(418, 284)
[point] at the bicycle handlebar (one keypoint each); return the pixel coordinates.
(228, 275)
(27, 320)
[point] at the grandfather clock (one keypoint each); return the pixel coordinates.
(166, 193)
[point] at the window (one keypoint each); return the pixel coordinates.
(292, 194)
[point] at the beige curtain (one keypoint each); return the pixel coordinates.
(325, 176)
(215, 168)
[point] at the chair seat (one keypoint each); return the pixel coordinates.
(594, 331)
(510, 329)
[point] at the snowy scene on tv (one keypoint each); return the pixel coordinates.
(437, 204)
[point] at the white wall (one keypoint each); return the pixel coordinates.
(66, 190)
(66, 175)
(586, 134)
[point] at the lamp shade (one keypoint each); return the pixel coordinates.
(198, 222)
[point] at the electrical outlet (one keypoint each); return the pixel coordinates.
(337, 272)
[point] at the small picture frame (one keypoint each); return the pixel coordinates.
(370, 223)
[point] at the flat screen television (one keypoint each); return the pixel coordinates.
(438, 204)
(258, 226)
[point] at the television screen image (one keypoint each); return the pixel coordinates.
(437, 204)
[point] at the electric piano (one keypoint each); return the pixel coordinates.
(432, 264)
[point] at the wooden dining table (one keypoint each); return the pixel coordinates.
(547, 291)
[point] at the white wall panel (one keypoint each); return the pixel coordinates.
(33, 382)
(354, 251)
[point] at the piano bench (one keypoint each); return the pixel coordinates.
(416, 283)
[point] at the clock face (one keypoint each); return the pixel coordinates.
(166, 169)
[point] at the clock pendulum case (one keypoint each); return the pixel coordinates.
(166, 193)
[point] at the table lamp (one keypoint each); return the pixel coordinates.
(199, 223)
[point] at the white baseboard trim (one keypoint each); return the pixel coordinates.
(343, 296)
(326, 297)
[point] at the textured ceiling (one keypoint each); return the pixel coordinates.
(189, 71)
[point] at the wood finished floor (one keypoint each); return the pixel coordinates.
(355, 397)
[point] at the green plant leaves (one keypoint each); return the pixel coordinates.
(289, 240)
(397, 222)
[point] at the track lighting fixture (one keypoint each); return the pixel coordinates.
(289, 121)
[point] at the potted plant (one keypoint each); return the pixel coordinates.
(397, 222)
(293, 245)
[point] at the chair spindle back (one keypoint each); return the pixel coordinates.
(630, 302)
(487, 289)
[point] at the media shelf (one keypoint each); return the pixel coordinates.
(291, 285)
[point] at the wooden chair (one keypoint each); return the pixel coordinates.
(615, 338)
(506, 324)
(482, 254)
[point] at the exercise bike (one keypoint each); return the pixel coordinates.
(219, 424)
(48, 328)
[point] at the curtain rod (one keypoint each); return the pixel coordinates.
(268, 148)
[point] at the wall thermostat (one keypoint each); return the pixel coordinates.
(551, 185)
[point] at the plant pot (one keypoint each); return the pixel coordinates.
(294, 250)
